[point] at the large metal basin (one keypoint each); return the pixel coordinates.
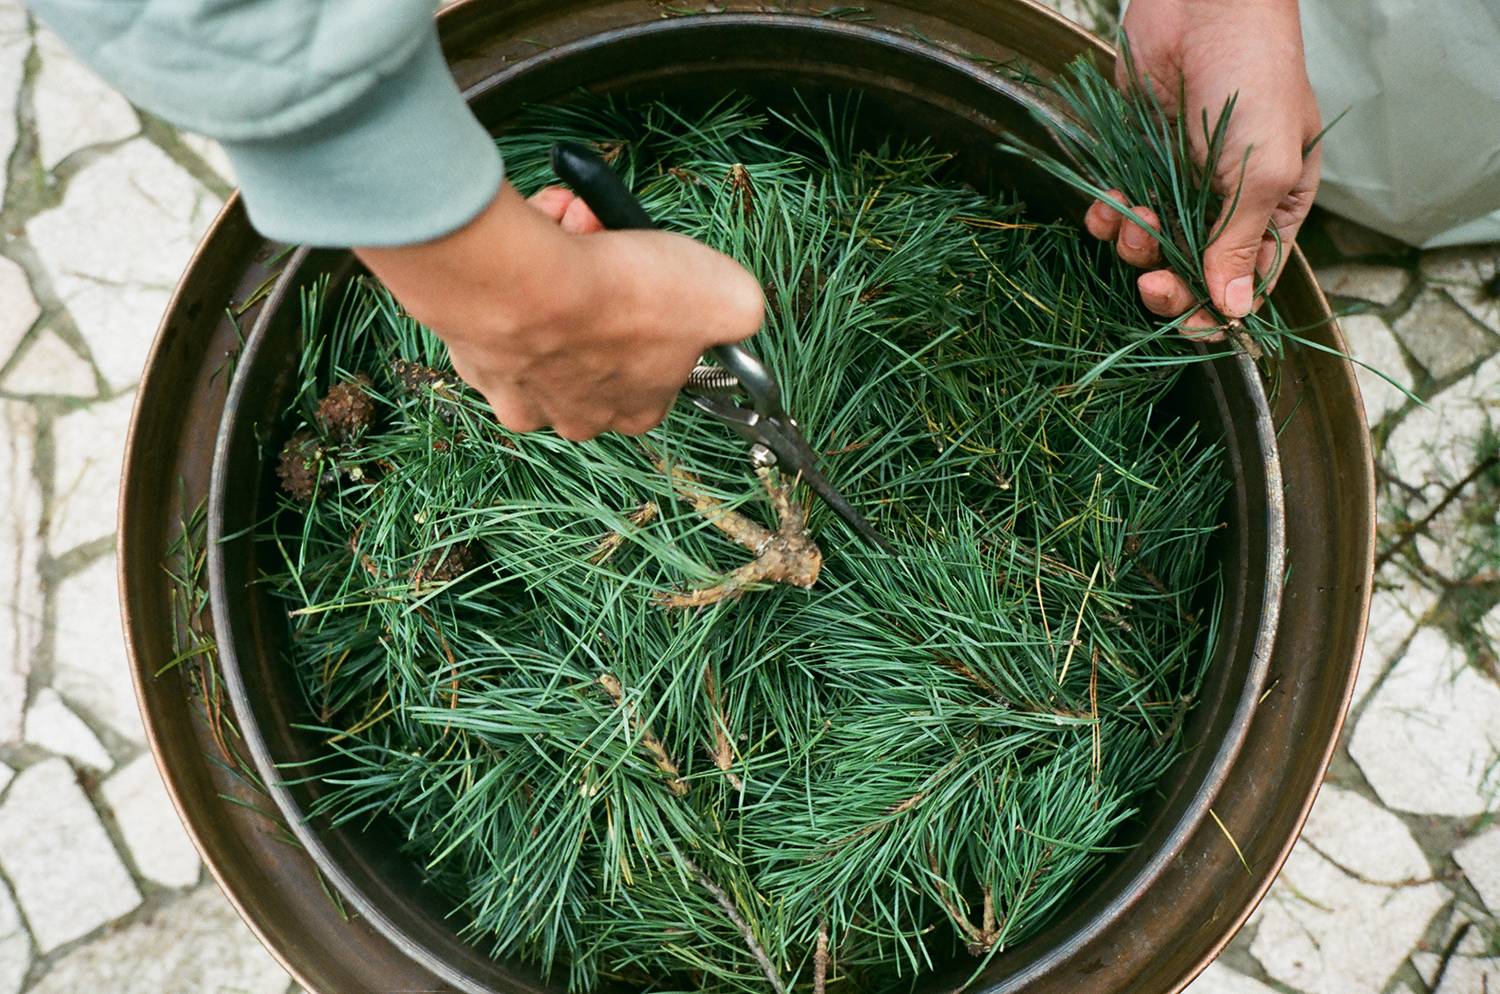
(1271, 711)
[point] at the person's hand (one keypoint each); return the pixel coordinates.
(1215, 49)
(558, 323)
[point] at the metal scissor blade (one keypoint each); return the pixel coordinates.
(794, 455)
(841, 506)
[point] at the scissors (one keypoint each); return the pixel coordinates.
(775, 439)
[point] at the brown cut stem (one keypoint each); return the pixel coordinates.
(649, 741)
(786, 556)
(740, 529)
(1235, 328)
(722, 752)
(820, 959)
(364, 558)
(954, 666)
(610, 544)
(979, 940)
(740, 182)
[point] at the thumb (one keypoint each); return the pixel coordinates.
(1229, 260)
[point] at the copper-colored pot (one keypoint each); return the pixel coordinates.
(1271, 709)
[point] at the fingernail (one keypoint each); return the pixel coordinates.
(1135, 237)
(1239, 295)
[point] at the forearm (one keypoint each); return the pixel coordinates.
(319, 104)
(559, 323)
(346, 129)
(533, 274)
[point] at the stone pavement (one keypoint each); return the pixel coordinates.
(1394, 888)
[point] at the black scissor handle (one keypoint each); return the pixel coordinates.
(600, 187)
(617, 208)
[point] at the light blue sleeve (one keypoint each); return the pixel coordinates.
(405, 163)
(342, 121)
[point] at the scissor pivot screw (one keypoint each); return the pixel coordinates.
(762, 457)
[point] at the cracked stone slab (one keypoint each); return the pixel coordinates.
(212, 153)
(115, 247)
(1220, 979)
(1085, 12)
(15, 945)
(6, 775)
(1429, 735)
(90, 667)
(15, 44)
(20, 582)
(1463, 272)
(1442, 336)
(88, 457)
(1395, 613)
(1449, 545)
(74, 107)
(51, 726)
(50, 368)
(1433, 447)
(1372, 342)
(67, 876)
(1362, 281)
(18, 307)
(1357, 874)
(1490, 625)
(1429, 964)
(158, 844)
(1479, 858)
(195, 944)
(1470, 975)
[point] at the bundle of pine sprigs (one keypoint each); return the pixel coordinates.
(632, 748)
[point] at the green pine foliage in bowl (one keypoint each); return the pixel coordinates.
(627, 754)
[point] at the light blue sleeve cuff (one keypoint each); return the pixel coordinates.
(406, 162)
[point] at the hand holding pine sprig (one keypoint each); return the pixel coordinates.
(1168, 185)
(921, 757)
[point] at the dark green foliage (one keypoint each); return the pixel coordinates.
(882, 757)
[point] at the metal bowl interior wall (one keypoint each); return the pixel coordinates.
(1125, 932)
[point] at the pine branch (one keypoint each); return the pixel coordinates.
(786, 556)
(649, 741)
(746, 932)
(1126, 140)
